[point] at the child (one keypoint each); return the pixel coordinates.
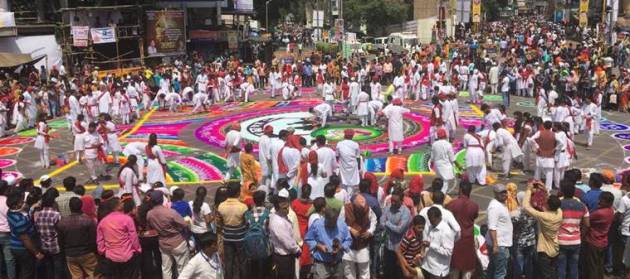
(179, 204)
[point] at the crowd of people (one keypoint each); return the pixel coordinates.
(300, 209)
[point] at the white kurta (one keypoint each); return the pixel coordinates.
(317, 182)
(104, 100)
(128, 180)
(492, 117)
(562, 154)
(78, 135)
(375, 90)
(274, 149)
(323, 111)
(155, 173)
(327, 158)
(348, 152)
(443, 157)
(395, 126)
(40, 140)
(362, 104)
(74, 106)
(475, 152)
(90, 142)
(112, 138)
(508, 143)
(233, 139)
(264, 145)
(137, 149)
(291, 158)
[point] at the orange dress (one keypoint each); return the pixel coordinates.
(250, 171)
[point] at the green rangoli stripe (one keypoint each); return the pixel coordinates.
(181, 174)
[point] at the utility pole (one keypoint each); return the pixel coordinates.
(340, 9)
(267, 15)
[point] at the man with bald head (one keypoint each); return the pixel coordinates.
(361, 222)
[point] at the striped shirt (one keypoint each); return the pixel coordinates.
(233, 215)
(20, 224)
(410, 246)
(572, 213)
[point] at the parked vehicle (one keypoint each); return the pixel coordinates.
(397, 42)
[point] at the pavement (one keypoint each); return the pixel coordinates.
(606, 152)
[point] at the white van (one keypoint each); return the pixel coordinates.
(380, 43)
(399, 41)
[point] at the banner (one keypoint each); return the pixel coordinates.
(476, 11)
(103, 35)
(80, 35)
(583, 13)
(318, 19)
(232, 38)
(7, 19)
(244, 5)
(165, 33)
(339, 30)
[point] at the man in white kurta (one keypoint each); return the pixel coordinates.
(492, 116)
(274, 150)
(233, 149)
(290, 156)
(173, 100)
(348, 153)
(398, 83)
(202, 82)
(322, 112)
(443, 158)
(511, 151)
(264, 157)
(138, 149)
(395, 126)
(590, 113)
(375, 89)
(375, 107)
(326, 157)
(199, 101)
(104, 100)
(74, 106)
(475, 157)
(363, 111)
(354, 95)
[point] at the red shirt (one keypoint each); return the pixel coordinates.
(601, 219)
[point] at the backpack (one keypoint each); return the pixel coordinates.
(256, 241)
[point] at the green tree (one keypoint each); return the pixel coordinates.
(375, 14)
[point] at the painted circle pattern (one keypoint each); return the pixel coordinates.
(16, 140)
(9, 151)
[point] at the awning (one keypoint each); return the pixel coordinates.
(12, 60)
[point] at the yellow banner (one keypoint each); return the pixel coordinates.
(583, 13)
(476, 11)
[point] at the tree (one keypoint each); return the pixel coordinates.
(375, 14)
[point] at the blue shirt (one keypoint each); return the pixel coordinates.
(396, 222)
(591, 198)
(20, 224)
(182, 208)
(319, 234)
